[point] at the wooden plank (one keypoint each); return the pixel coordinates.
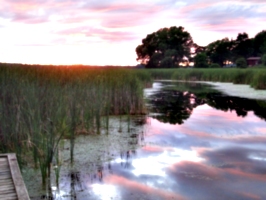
(3, 168)
(3, 165)
(6, 181)
(20, 187)
(6, 176)
(7, 186)
(12, 186)
(9, 197)
(9, 192)
(3, 158)
(4, 171)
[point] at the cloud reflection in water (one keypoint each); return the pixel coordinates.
(211, 154)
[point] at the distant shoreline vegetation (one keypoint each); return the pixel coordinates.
(174, 47)
(255, 77)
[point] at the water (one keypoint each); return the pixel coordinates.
(196, 143)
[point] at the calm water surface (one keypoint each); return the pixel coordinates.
(196, 143)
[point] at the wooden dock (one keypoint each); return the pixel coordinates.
(12, 186)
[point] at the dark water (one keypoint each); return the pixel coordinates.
(195, 144)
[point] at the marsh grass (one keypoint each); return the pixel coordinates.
(160, 74)
(252, 76)
(41, 105)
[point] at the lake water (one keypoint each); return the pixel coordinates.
(196, 143)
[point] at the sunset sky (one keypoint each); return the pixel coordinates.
(106, 32)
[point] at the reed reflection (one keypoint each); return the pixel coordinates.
(98, 157)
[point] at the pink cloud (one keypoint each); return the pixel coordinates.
(99, 33)
(228, 18)
(196, 6)
(155, 149)
(253, 176)
(196, 168)
(140, 188)
(29, 19)
(110, 16)
(116, 15)
(250, 195)
(210, 180)
(113, 15)
(127, 15)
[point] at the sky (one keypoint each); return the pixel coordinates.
(107, 32)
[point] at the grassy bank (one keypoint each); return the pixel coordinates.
(40, 105)
(255, 77)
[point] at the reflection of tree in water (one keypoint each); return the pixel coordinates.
(94, 162)
(241, 105)
(174, 106)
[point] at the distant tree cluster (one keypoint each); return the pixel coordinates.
(165, 48)
(235, 51)
(168, 47)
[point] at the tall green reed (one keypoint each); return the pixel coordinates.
(41, 105)
(252, 76)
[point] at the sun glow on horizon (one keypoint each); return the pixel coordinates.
(70, 55)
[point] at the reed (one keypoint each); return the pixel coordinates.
(160, 74)
(251, 76)
(40, 105)
(254, 77)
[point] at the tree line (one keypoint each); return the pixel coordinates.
(169, 47)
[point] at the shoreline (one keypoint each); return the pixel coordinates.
(240, 90)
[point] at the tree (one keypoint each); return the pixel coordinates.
(165, 48)
(220, 51)
(167, 62)
(260, 43)
(199, 49)
(200, 60)
(243, 46)
(241, 63)
(263, 59)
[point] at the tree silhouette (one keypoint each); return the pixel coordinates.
(165, 48)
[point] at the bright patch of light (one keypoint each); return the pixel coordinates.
(155, 165)
(105, 192)
(150, 91)
(148, 166)
(54, 188)
(180, 3)
(57, 193)
(257, 158)
(182, 155)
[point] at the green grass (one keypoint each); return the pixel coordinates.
(254, 76)
(160, 74)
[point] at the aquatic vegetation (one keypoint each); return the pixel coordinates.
(251, 76)
(40, 105)
(254, 77)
